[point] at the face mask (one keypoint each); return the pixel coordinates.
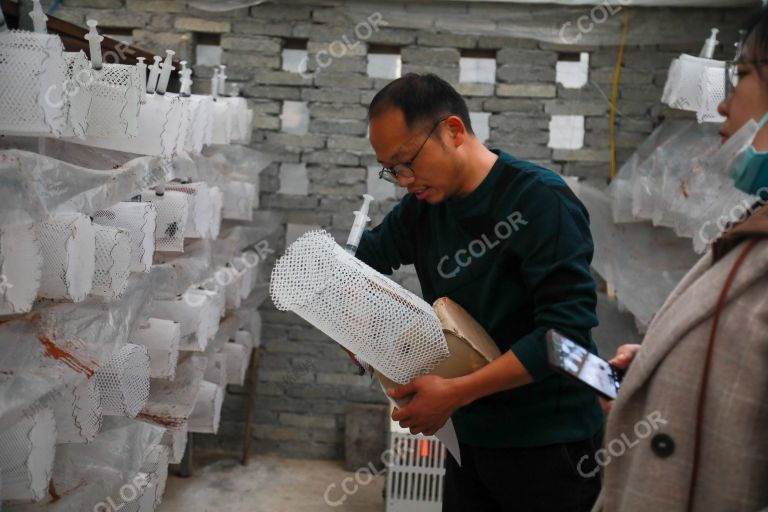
(750, 171)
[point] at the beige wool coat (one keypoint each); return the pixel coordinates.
(654, 470)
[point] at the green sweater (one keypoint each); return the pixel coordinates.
(515, 253)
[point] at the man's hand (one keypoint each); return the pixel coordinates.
(433, 402)
(625, 354)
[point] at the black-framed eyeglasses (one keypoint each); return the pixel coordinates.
(732, 73)
(405, 170)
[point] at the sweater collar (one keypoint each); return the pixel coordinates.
(478, 201)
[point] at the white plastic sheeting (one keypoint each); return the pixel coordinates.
(677, 179)
(642, 263)
(161, 339)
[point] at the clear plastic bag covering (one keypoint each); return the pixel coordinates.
(643, 263)
(172, 214)
(140, 221)
(191, 267)
(171, 402)
(32, 68)
(90, 476)
(389, 327)
(38, 186)
(67, 242)
(58, 344)
(687, 75)
(682, 184)
(78, 412)
(26, 456)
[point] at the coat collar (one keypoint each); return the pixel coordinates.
(756, 225)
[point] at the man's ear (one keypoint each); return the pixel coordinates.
(457, 130)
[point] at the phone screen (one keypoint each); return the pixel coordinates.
(571, 358)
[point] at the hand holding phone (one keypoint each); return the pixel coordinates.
(571, 359)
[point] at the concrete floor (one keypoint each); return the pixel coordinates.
(269, 484)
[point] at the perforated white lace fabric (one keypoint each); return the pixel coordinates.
(68, 246)
(113, 260)
(372, 316)
(172, 213)
(78, 412)
(33, 69)
(123, 381)
(140, 220)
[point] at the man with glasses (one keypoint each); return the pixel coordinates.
(508, 241)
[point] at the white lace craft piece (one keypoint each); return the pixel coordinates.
(372, 316)
(33, 69)
(172, 212)
(115, 99)
(77, 93)
(222, 113)
(711, 94)
(21, 263)
(200, 213)
(26, 456)
(78, 413)
(161, 339)
(192, 312)
(113, 261)
(68, 246)
(123, 381)
(681, 90)
(238, 358)
(140, 220)
(200, 129)
(158, 129)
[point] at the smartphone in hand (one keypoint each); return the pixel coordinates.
(569, 358)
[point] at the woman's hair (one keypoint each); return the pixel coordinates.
(756, 28)
(423, 99)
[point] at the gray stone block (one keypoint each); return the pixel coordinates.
(523, 73)
(447, 40)
(261, 27)
(337, 111)
(243, 63)
(264, 45)
(520, 106)
(526, 57)
(430, 56)
(575, 108)
(272, 92)
(365, 435)
(475, 89)
(346, 143)
(324, 78)
(339, 127)
(331, 95)
(526, 90)
(202, 25)
(118, 18)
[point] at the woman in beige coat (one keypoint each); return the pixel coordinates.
(689, 429)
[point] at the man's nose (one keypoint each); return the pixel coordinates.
(403, 181)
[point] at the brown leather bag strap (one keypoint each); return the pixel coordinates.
(708, 364)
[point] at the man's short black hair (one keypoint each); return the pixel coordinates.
(423, 99)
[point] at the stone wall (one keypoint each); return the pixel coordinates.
(305, 380)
